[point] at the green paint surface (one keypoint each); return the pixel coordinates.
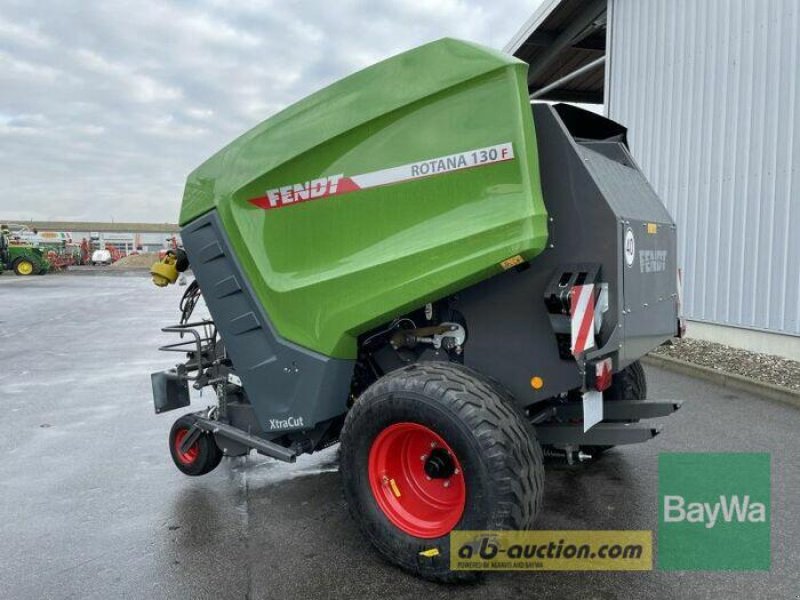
(329, 269)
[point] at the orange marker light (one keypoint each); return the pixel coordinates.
(537, 382)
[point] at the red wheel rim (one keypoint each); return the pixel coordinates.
(190, 455)
(417, 480)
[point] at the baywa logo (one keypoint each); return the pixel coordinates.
(728, 508)
(714, 511)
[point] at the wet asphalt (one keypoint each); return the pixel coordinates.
(92, 507)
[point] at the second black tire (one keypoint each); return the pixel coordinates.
(202, 457)
(24, 267)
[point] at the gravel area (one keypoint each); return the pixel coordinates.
(136, 261)
(760, 367)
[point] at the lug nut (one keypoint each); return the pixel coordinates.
(446, 483)
(456, 471)
(424, 457)
(433, 444)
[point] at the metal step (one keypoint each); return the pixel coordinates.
(602, 434)
(621, 410)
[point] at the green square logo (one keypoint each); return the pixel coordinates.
(714, 512)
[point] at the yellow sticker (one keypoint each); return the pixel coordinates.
(652, 228)
(512, 262)
(430, 553)
(395, 489)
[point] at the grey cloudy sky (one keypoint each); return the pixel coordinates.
(106, 106)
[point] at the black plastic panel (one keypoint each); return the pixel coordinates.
(290, 387)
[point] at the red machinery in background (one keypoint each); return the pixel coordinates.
(116, 253)
(58, 261)
(86, 251)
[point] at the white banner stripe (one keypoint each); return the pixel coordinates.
(335, 185)
(437, 166)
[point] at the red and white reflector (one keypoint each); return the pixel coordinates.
(603, 374)
(582, 303)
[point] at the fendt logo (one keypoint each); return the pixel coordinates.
(652, 261)
(300, 192)
(290, 423)
(729, 509)
(335, 185)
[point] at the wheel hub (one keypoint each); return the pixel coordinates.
(439, 465)
(417, 480)
(191, 454)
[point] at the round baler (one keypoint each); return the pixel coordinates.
(417, 263)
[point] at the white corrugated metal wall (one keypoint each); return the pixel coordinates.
(710, 91)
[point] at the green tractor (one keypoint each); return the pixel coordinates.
(22, 258)
(418, 263)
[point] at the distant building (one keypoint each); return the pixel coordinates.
(126, 237)
(710, 93)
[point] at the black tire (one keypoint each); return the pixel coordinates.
(205, 454)
(628, 384)
(496, 447)
(23, 272)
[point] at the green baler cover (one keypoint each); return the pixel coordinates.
(393, 187)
